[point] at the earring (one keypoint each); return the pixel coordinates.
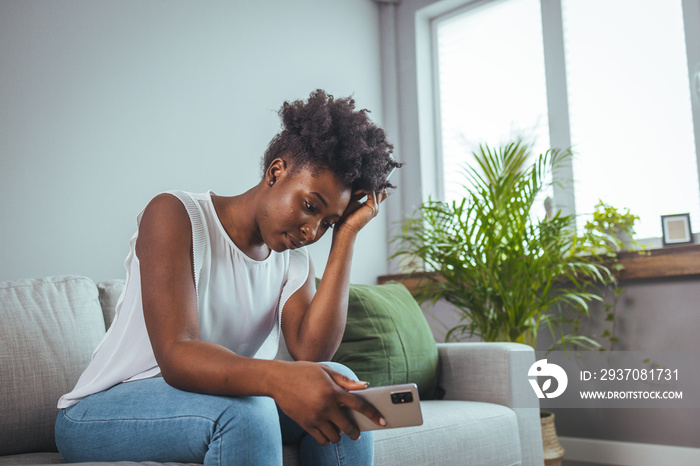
(271, 182)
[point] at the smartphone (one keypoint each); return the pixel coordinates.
(399, 405)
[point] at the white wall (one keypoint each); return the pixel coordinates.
(103, 104)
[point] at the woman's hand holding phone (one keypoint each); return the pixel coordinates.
(316, 397)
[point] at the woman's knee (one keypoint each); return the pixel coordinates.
(254, 414)
(248, 432)
(65, 439)
(345, 370)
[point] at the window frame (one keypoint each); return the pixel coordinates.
(556, 91)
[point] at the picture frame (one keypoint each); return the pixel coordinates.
(676, 229)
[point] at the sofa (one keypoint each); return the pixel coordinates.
(50, 326)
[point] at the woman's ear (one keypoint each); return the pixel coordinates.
(275, 171)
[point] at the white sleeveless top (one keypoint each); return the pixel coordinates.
(240, 302)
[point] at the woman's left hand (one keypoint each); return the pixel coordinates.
(358, 214)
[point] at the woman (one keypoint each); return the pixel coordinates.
(185, 372)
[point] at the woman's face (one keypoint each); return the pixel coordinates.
(300, 207)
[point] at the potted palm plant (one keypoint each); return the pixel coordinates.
(509, 272)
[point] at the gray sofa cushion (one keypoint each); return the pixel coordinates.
(454, 432)
(49, 329)
(110, 291)
(32, 458)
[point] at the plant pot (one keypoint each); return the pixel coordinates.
(553, 451)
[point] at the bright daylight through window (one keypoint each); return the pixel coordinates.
(629, 102)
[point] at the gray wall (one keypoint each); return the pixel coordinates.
(103, 104)
(656, 316)
(653, 316)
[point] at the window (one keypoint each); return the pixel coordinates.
(491, 81)
(628, 115)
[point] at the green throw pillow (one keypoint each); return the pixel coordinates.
(387, 339)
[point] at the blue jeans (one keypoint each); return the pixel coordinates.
(148, 420)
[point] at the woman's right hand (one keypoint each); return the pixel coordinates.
(316, 397)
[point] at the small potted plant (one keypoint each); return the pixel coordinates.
(611, 228)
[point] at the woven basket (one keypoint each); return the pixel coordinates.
(553, 451)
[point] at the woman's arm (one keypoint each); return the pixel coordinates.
(311, 394)
(313, 324)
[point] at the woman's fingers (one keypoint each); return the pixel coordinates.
(380, 196)
(351, 401)
(319, 436)
(330, 431)
(345, 381)
(339, 422)
(375, 197)
(322, 407)
(364, 407)
(372, 201)
(346, 425)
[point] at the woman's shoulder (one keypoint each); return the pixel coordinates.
(174, 204)
(164, 213)
(187, 196)
(165, 204)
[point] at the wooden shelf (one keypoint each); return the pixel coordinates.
(672, 261)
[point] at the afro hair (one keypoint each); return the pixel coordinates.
(325, 133)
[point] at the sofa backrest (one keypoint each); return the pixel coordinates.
(109, 292)
(48, 330)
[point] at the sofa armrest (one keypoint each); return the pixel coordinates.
(495, 373)
(484, 372)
